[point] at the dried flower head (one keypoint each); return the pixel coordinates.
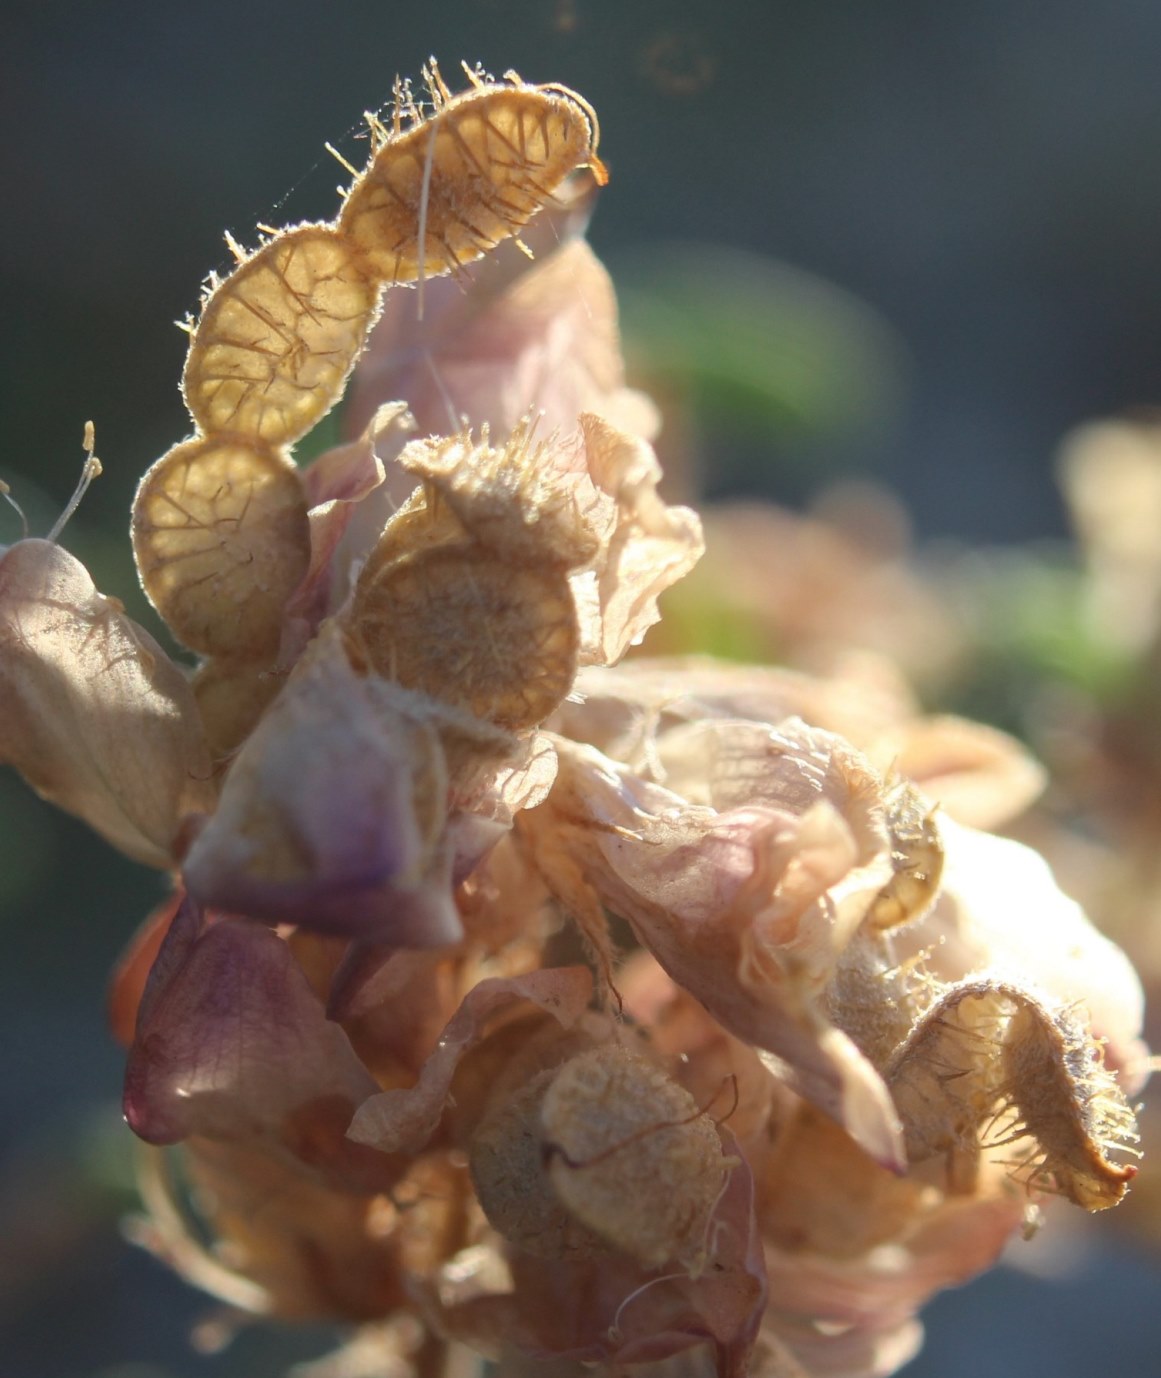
(510, 997)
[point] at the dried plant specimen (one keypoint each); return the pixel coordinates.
(276, 339)
(626, 1016)
(442, 190)
(221, 539)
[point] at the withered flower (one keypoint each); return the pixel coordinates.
(510, 997)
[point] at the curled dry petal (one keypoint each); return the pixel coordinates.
(233, 1044)
(346, 509)
(403, 1121)
(745, 908)
(96, 717)
(647, 547)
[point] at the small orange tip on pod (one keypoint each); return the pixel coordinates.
(277, 339)
(221, 540)
(443, 191)
(472, 629)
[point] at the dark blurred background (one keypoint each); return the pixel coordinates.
(955, 212)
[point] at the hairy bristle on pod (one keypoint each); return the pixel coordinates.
(278, 337)
(632, 1158)
(993, 1067)
(1065, 1099)
(440, 193)
(221, 539)
(471, 628)
(511, 497)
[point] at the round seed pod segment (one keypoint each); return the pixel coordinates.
(466, 626)
(278, 337)
(444, 190)
(632, 1158)
(221, 540)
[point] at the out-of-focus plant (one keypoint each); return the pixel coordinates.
(511, 999)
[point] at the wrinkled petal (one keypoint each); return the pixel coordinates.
(341, 487)
(649, 547)
(1001, 908)
(96, 717)
(403, 1121)
(696, 886)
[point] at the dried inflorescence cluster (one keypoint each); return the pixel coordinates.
(509, 996)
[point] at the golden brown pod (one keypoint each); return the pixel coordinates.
(470, 628)
(221, 539)
(278, 337)
(231, 697)
(631, 1157)
(442, 191)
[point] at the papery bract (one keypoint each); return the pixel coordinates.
(96, 717)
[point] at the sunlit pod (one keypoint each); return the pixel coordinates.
(221, 539)
(472, 629)
(277, 338)
(442, 190)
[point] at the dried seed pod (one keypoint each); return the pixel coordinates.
(516, 497)
(631, 1156)
(231, 697)
(442, 191)
(470, 628)
(916, 858)
(278, 337)
(992, 1066)
(507, 1164)
(1065, 1099)
(944, 1080)
(221, 539)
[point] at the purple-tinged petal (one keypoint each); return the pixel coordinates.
(233, 1044)
(344, 493)
(96, 717)
(333, 814)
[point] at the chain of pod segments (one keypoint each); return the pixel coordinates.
(220, 529)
